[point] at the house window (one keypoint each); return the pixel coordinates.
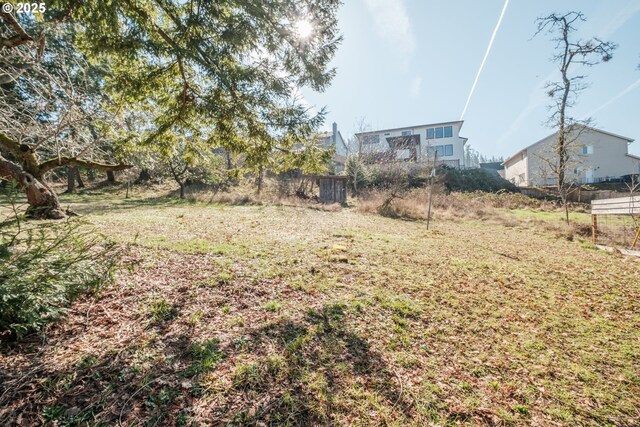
(371, 139)
(439, 133)
(406, 132)
(430, 133)
(448, 150)
(439, 150)
(448, 131)
(587, 149)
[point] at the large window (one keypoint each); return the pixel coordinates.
(371, 139)
(448, 150)
(441, 150)
(439, 132)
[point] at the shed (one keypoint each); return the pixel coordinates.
(333, 189)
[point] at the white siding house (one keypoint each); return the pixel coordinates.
(594, 156)
(334, 140)
(419, 144)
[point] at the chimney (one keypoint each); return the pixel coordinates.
(335, 132)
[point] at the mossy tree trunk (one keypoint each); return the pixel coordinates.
(28, 174)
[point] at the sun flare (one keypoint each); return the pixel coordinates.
(303, 28)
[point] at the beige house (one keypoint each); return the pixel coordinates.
(594, 156)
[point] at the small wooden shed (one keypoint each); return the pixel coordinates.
(333, 189)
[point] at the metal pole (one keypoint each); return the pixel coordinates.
(433, 173)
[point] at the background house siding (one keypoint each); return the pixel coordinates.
(515, 170)
(595, 156)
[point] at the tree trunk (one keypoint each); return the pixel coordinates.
(182, 190)
(260, 178)
(229, 163)
(43, 202)
(71, 179)
(144, 175)
(79, 178)
(111, 177)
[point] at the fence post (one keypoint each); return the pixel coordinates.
(594, 228)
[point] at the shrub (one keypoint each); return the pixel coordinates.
(43, 267)
(357, 174)
(470, 180)
(398, 175)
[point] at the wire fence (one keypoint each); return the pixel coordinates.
(616, 222)
(618, 231)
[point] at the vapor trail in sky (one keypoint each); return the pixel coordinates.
(486, 54)
(622, 93)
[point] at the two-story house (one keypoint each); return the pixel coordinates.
(335, 141)
(422, 143)
(594, 156)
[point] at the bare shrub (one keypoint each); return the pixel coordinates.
(477, 205)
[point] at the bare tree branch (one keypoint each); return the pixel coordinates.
(21, 37)
(563, 94)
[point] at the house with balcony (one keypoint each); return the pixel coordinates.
(419, 143)
(594, 156)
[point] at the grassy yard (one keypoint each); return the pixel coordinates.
(274, 315)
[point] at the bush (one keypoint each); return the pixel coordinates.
(398, 175)
(470, 180)
(357, 174)
(43, 267)
(412, 204)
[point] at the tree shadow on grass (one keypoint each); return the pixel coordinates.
(141, 382)
(306, 371)
(310, 372)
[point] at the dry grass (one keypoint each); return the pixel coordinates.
(413, 204)
(277, 315)
(505, 209)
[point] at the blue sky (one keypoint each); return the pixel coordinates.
(410, 62)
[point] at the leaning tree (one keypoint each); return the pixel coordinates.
(571, 53)
(50, 110)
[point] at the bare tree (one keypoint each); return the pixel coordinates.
(570, 53)
(49, 113)
(355, 167)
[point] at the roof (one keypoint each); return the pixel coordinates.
(555, 133)
(325, 135)
(633, 157)
(414, 126)
(491, 165)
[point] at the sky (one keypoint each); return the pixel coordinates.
(413, 62)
